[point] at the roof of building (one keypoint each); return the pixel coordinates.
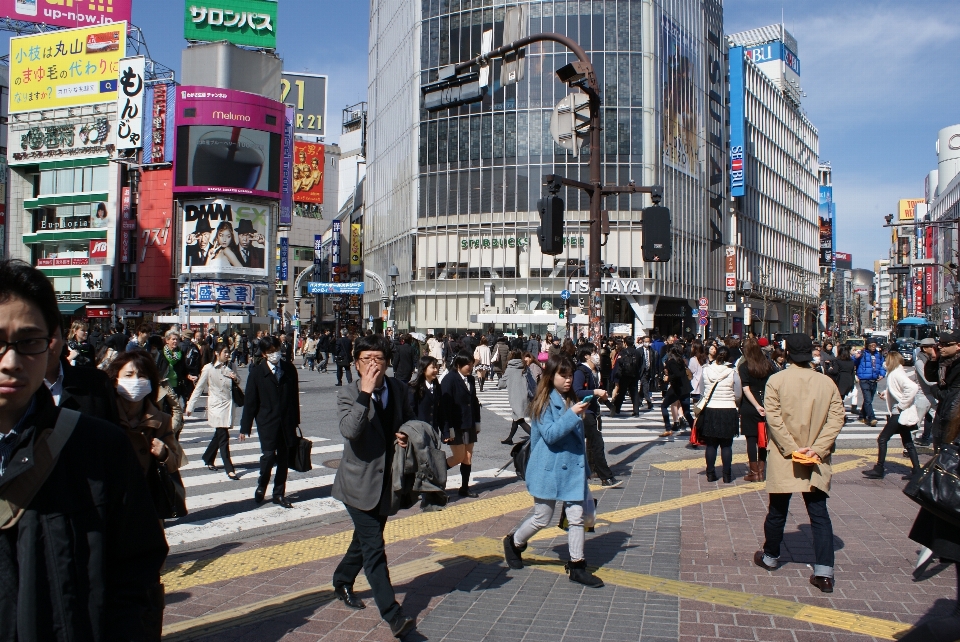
(763, 35)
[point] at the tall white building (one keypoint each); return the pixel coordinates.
(881, 294)
(774, 181)
(451, 197)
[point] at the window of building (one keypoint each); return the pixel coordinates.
(73, 180)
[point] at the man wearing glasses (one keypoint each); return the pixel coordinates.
(943, 367)
(371, 410)
(64, 473)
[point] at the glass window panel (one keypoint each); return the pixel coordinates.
(498, 134)
(597, 24)
(610, 79)
(475, 138)
(48, 183)
(510, 136)
(610, 131)
(475, 191)
(442, 194)
(444, 41)
(548, 144)
(584, 27)
(623, 25)
(432, 143)
(464, 139)
(64, 181)
(423, 144)
(610, 30)
(636, 138)
(486, 149)
(452, 143)
(636, 86)
(431, 195)
(451, 194)
(623, 132)
(486, 191)
(100, 179)
(522, 188)
(635, 24)
(434, 39)
(522, 135)
(623, 75)
(510, 189)
(442, 141)
(87, 179)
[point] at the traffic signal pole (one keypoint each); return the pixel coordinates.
(579, 74)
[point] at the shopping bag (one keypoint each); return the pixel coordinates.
(762, 434)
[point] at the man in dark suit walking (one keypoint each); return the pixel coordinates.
(405, 359)
(86, 390)
(371, 410)
(343, 356)
(272, 398)
(647, 361)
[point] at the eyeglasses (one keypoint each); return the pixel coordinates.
(372, 359)
(35, 346)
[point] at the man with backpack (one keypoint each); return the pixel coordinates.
(627, 374)
(585, 383)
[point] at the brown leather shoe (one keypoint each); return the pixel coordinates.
(754, 474)
(758, 560)
(825, 584)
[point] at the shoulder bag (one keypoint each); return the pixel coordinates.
(701, 405)
(16, 495)
(237, 393)
(169, 495)
(300, 454)
(937, 487)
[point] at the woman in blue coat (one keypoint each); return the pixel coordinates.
(557, 469)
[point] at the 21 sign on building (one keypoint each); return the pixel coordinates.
(251, 23)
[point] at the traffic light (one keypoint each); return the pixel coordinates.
(453, 91)
(550, 231)
(561, 314)
(657, 237)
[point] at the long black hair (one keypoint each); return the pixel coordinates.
(420, 383)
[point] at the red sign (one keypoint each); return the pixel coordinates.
(98, 313)
(732, 282)
(308, 166)
(159, 123)
(918, 292)
(98, 249)
(154, 245)
(928, 276)
(62, 262)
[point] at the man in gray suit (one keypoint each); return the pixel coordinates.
(371, 412)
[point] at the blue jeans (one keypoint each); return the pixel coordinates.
(869, 388)
(820, 524)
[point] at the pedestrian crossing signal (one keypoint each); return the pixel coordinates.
(561, 314)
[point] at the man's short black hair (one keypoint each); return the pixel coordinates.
(23, 281)
(372, 343)
(268, 343)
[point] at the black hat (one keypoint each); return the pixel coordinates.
(799, 347)
(203, 225)
(949, 337)
(246, 227)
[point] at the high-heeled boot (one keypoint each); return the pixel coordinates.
(911, 449)
(754, 474)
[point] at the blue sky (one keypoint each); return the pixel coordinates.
(880, 78)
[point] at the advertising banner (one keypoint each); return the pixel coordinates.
(928, 272)
(95, 280)
(228, 294)
(737, 119)
(682, 101)
(826, 226)
(284, 259)
(130, 103)
(844, 260)
(335, 250)
(158, 140)
(308, 173)
(287, 172)
(355, 244)
(66, 68)
(730, 268)
(907, 208)
(69, 13)
(308, 94)
(228, 142)
(251, 23)
(335, 288)
(317, 253)
(157, 236)
(87, 137)
(223, 236)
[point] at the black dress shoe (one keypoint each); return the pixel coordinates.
(758, 560)
(711, 476)
(825, 584)
(466, 492)
(259, 494)
(282, 501)
(401, 625)
(346, 595)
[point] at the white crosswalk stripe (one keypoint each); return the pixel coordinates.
(220, 507)
(625, 429)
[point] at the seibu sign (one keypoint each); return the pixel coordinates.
(608, 286)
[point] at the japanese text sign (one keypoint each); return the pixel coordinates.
(130, 103)
(251, 23)
(66, 68)
(67, 13)
(226, 293)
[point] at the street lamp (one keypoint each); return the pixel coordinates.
(393, 272)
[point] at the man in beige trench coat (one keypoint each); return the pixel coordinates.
(804, 415)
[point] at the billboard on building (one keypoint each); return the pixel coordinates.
(907, 208)
(682, 103)
(156, 235)
(69, 13)
(308, 173)
(230, 295)
(71, 138)
(355, 242)
(737, 120)
(308, 95)
(130, 103)
(251, 23)
(844, 260)
(826, 225)
(225, 236)
(66, 68)
(158, 135)
(228, 142)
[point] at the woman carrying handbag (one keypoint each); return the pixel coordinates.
(754, 372)
(900, 395)
(219, 377)
(720, 419)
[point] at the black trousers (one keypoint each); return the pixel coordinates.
(367, 552)
(596, 452)
(279, 457)
(627, 386)
(892, 428)
(726, 454)
(341, 368)
(221, 442)
(820, 524)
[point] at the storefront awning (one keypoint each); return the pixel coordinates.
(70, 307)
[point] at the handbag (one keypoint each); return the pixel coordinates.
(937, 488)
(761, 434)
(520, 454)
(169, 495)
(237, 394)
(300, 454)
(695, 437)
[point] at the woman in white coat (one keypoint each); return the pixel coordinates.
(901, 396)
(218, 377)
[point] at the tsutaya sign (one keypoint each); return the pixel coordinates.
(608, 286)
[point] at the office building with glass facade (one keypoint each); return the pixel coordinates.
(451, 197)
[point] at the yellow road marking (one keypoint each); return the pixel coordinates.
(690, 464)
(269, 558)
(485, 549)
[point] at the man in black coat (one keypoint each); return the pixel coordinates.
(324, 348)
(106, 584)
(86, 390)
(343, 357)
(272, 397)
(405, 359)
(944, 368)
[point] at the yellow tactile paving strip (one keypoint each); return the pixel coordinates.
(484, 548)
(690, 464)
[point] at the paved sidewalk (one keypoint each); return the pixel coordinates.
(674, 550)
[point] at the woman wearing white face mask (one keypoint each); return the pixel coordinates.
(218, 377)
(135, 377)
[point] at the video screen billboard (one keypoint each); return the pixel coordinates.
(228, 142)
(225, 236)
(826, 226)
(57, 13)
(66, 68)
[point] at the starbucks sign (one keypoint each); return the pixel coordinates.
(251, 23)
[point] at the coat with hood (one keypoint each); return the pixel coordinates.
(515, 381)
